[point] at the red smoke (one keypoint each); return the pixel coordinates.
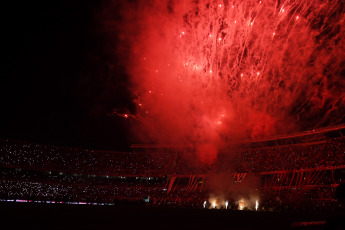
(206, 72)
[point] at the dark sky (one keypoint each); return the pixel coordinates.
(58, 80)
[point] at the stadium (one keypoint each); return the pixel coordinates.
(296, 173)
(203, 114)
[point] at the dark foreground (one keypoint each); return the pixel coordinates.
(62, 216)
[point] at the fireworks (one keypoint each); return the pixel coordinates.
(268, 66)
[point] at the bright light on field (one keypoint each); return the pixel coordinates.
(241, 205)
(214, 204)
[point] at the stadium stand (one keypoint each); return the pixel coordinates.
(302, 175)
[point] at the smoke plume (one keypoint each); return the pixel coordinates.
(208, 72)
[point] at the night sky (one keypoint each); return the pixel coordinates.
(59, 83)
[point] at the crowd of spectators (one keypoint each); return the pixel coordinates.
(316, 200)
(83, 161)
(52, 158)
(35, 185)
(326, 154)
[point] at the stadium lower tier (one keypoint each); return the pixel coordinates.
(308, 190)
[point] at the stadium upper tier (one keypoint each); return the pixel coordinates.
(160, 161)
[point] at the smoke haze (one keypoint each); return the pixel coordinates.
(209, 71)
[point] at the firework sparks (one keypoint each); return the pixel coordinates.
(269, 66)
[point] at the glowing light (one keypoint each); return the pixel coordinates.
(140, 104)
(233, 6)
(258, 73)
(156, 70)
(204, 204)
(125, 116)
(235, 21)
(226, 204)
(220, 5)
(219, 39)
(256, 205)
(274, 33)
(150, 91)
(297, 17)
(210, 71)
(210, 35)
(214, 204)
(260, 2)
(223, 115)
(241, 205)
(219, 122)
(183, 32)
(241, 74)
